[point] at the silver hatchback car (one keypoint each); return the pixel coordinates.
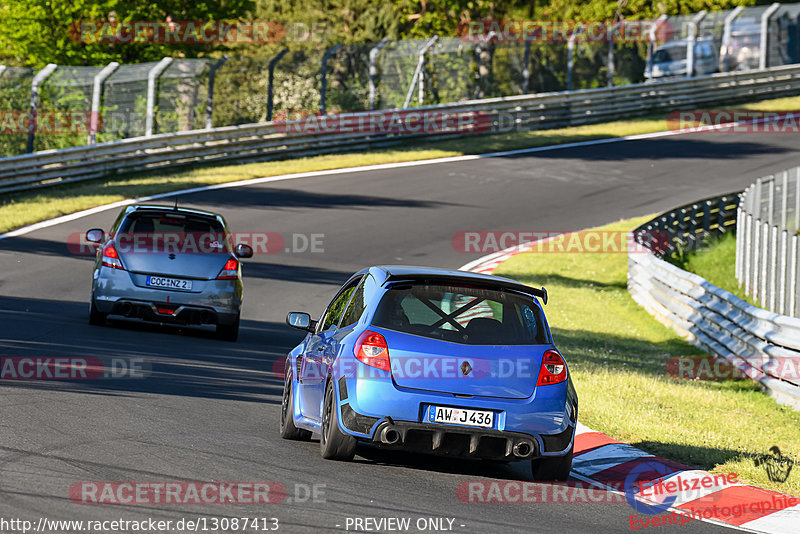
(168, 265)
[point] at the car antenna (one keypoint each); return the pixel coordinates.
(175, 207)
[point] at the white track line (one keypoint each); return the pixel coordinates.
(332, 172)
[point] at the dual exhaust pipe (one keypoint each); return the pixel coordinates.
(388, 435)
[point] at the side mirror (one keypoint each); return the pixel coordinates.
(301, 320)
(95, 235)
(244, 251)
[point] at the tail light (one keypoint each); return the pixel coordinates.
(230, 271)
(554, 369)
(111, 258)
(371, 349)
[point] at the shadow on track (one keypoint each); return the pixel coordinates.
(181, 361)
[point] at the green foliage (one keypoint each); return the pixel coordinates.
(37, 32)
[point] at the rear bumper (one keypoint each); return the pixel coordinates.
(545, 422)
(219, 301)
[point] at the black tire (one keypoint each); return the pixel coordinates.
(95, 316)
(229, 332)
(333, 443)
(288, 430)
(553, 469)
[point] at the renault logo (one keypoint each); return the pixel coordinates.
(466, 368)
(172, 256)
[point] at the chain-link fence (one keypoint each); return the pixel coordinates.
(79, 105)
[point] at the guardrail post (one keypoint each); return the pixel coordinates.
(152, 78)
(40, 77)
(2, 69)
(324, 75)
(97, 92)
(784, 198)
(212, 72)
(690, 42)
(726, 35)
(418, 70)
(757, 259)
(748, 253)
(571, 54)
(271, 80)
(373, 70)
(740, 236)
(762, 49)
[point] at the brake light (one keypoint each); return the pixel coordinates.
(371, 349)
(111, 258)
(230, 271)
(554, 369)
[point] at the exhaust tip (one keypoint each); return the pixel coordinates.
(523, 448)
(126, 309)
(389, 436)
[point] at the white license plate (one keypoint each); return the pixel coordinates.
(169, 283)
(460, 416)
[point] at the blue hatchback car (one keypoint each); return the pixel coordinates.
(436, 361)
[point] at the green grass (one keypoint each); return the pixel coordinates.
(716, 263)
(20, 209)
(618, 354)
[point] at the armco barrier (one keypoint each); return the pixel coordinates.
(272, 141)
(749, 338)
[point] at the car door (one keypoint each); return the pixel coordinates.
(352, 314)
(311, 375)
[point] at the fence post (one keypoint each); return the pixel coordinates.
(526, 70)
(324, 76)
(757, 259)
(737, 266)
(420, 64)
(797, 199)
(726, 35)
(610, 58)
(571, 54)
(794, 276)
(97, 92)
(691, 40)
(782, 260)
(271, 80)
(212, 72)
(40, 77)
(771, 201)
(651, 39)
(152, 77)
(748, 253)
(2, 69)
(762, 49)
(373, 70)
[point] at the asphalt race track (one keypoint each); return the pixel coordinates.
(209, 409)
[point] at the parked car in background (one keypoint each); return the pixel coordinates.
(744, 48)
(670, 59)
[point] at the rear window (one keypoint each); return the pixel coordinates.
(666, 55)
(462, 314)
(173, 231)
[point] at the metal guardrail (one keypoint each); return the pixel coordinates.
(271, 140)
(768, 248)
(757, 342)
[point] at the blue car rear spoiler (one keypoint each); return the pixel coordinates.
(471, 279)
